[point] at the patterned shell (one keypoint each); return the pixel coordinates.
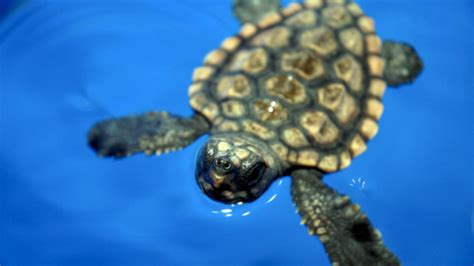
(307, 81)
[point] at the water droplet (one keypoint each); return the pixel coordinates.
(358, 184)
(226, 210)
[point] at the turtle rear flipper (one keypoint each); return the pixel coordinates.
(153, 132)
(347, 234)
(402, 63)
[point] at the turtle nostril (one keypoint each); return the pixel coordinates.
(223, 164)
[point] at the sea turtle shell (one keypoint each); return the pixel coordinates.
(307, 81)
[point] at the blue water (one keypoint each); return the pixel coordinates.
(67, 64)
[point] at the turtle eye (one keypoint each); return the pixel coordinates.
(223, 164)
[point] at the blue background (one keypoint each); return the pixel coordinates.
(67, 64)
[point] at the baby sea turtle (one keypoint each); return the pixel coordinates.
(299, 94)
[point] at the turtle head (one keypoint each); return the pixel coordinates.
(232, 168)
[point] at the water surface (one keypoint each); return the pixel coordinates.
(67, 64)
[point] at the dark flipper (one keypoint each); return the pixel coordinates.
(152, 132)
(402, 63)
(252, 11)
(347, 235)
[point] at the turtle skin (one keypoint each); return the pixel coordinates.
(299, 93)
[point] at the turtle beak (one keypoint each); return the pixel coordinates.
(217, 179)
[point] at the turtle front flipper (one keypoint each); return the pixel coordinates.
(347, 234)
(153, 132)
(252, 11)
(402, 63)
